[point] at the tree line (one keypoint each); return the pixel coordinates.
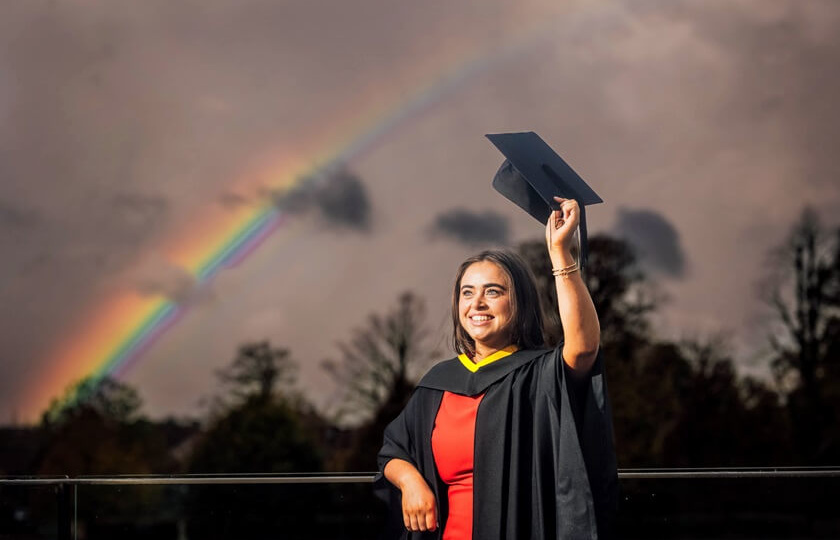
(676, 403)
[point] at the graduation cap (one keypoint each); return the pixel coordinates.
(533, 174)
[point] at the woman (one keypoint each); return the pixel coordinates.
(508, 441)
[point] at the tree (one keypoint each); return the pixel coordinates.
(379, 365)
(803, 292)
(258, 370)
(377, 372)
(668, 398)
(256, 436)
(674, 404)
(108, 398)
(262, 430)
(97, 428)
(722, 420)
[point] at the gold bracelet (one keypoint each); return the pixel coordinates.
(565, 273)
(571, 269)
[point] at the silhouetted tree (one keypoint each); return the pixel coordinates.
(261, 430)
(380, 362)
(96, 428)
(803, 290)
(110, 399)
(674, 404)
(258, 371)
(721, 420)
(377, 371)
(647, 401)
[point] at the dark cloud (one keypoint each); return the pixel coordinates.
(344, 202)
(159, 277)
(295, 201)
(338, 195)
(472, 228)
(656, 240)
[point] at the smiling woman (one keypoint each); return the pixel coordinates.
(507, 440)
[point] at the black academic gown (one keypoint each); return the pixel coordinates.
(545, 463)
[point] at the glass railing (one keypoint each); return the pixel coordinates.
(655, 503)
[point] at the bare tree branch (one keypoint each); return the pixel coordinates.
(379, 363)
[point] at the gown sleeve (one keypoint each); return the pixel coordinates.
(398, 438)
(397, 443)
(593, 421)
(403, 439)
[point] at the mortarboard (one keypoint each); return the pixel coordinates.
(533, 174)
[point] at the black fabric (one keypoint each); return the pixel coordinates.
(544, 457)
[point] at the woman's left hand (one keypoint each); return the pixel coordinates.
(561, 226)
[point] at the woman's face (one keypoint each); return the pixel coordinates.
(484, 306)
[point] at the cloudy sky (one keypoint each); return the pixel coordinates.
(705, 126)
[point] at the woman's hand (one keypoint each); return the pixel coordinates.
(560, 228)
(418, 502)
(418, 506)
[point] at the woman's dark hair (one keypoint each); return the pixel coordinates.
(527, 319)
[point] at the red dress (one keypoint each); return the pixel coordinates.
(453, 445)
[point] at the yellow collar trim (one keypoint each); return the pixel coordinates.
(498, 355)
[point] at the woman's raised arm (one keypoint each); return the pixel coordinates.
(581, 330)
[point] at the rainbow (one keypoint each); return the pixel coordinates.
(118, 332)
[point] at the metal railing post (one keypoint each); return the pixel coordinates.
(64, 521)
